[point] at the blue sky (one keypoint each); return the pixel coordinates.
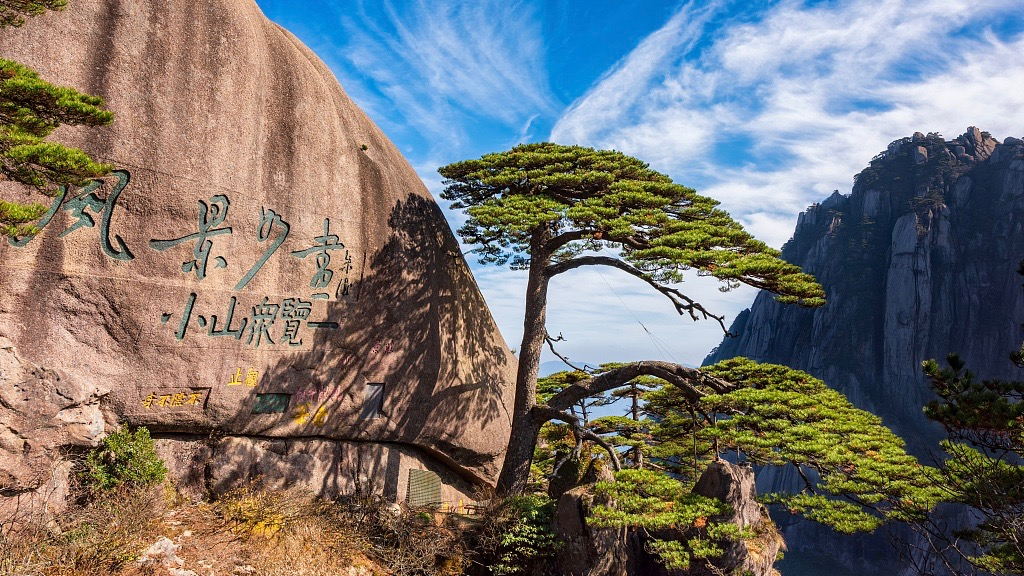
(767, 106)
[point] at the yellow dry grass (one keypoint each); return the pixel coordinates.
(247, 532)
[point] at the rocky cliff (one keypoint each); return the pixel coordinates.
(918, 261)
(263, 280)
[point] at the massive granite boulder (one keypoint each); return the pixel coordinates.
(920, 260)
(263, 281)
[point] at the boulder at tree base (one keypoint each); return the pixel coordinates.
(263, 281)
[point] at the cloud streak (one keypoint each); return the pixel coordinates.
(621, 89)
(790, 104)
(438, 67)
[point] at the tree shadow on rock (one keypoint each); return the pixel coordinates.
(410, 359)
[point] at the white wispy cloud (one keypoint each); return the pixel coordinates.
(809, 94)
(622, 88)
(815, 90)
(439, 66)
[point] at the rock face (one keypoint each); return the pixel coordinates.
(263, 279)
(755, 555)
(918, 261)
(592, 551)
(43, 413)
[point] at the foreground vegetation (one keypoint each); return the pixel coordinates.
(125, 518)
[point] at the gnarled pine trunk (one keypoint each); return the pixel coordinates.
(516, 470)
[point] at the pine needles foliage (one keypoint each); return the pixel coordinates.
(30, 110)
(13, 12)
(604, 198)
(124, 458)
(655, 502)
(857, 473)
(985, 466)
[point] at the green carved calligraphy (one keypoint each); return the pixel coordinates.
(263, 316)
(268, 218)
(210, 216)
(321, 248)
(226, 330)
(85, 201)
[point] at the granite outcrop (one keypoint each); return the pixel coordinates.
(263, 278)
(589, 550)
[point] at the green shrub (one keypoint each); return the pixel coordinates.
(125, 458)
(523, 535)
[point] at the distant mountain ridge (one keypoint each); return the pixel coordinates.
(918, 261)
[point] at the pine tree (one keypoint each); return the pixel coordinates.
(551, 209)
(985, 465)
(30, 110)
(857, 474)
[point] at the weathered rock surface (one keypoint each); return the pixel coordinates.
(592, 551)
(918, 261)
(734, 484)
(164, 552)
(321, 466)
(43, 414)
(263, 263)
(588, 550)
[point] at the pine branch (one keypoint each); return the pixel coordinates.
(682, 303)
(546, 413)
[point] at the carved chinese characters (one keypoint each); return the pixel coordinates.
(214, 269)
(79, 205)
(211, 215)
(161, 400)
(322, 250)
